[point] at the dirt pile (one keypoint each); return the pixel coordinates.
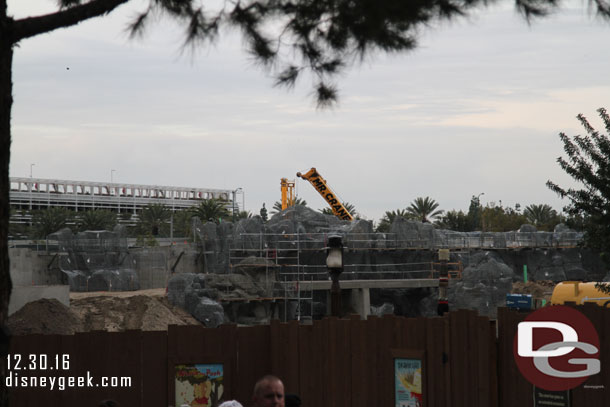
(538, 289)
(110, 312)
(45, 316)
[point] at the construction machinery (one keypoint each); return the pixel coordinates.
(323, 189)
(287, 193)
(579, 293)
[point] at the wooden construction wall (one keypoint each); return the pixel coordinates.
(332, 363)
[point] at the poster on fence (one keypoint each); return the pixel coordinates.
(198, 385)
(408, 382)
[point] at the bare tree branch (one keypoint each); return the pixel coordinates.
(31, 26)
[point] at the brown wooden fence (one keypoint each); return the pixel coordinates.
(334, 362)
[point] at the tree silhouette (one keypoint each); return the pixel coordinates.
(321, 38)
(154, 220)
(211, 210)
(543, 216)
(423, 209)
(277, 205)
(454, 220)
(388, 217)
(98, 219)
(47, 221)
(588, 163)
(350, 208)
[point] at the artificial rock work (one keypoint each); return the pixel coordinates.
(492, 262)
(236, 272)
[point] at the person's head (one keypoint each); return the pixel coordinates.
(268, 392)
(231, 403)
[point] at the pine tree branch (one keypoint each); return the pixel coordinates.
(31, 26)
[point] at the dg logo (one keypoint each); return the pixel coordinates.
(557, 348)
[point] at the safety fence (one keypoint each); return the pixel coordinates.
(433, 239)
(465, 360)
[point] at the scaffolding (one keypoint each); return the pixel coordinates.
(285, 254)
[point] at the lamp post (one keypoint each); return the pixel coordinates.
(31, 165)
(443, 282)
(111, 173)
(334, 263)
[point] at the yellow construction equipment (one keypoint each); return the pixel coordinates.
(287, 193)
(323, 189)
(580, 293)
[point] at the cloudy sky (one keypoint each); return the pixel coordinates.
(477, 108)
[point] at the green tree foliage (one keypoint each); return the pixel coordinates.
(475, 212)
(212, 210)
(263, 213)
(183, 223)
(97, 219)
(319, 38)
(496, 218)
(543, 216)
(47, 221)
(423, 209)
(154, 220)
(350, 208)
(454, 220)
(277, 206)
(588, 163)
(242, 215)
(388, 217)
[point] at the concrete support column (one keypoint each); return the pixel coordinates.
(360, 300)
(355, 300)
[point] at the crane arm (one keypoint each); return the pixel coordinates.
(323, 189)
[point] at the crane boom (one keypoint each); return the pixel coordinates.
(323, 189)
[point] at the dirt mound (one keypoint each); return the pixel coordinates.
(538, 289)
(101, 312)
(109, 313)
(45, 316)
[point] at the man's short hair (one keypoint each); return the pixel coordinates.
(262, 381)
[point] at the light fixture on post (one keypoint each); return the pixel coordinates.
(334, 263)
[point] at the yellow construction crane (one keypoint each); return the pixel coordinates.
(287, 193)
(323, 189)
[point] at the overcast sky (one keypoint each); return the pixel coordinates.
(477, 108)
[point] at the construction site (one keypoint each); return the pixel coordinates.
(289, 295)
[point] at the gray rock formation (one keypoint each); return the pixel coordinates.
(484, 285)
(190, 292)
(96, 260)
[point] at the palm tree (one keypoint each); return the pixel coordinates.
(212, 210)
(388, 217)
(350, 208)
(98, 219)
(50, 220)
(540, 215)
(423, 209)
(154, 220)
(242, 215)
(454, 220)
(277, 206)
(183, 223)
